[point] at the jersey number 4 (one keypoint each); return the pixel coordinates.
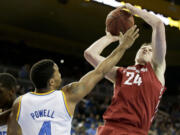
(45, 129)
(133, 80)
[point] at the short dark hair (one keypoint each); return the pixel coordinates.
(8, 81)
(41, 72)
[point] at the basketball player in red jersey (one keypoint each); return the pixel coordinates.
(138, 88)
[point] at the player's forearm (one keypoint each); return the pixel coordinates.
(92, 54)
(100, 44)
(92, 59)
(112, 59)
(147, 16)
(159, 44)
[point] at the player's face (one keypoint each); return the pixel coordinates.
(144, 54)
(57, 77)
(6, 97)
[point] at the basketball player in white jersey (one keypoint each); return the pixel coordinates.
(49, 111)
(7, 96)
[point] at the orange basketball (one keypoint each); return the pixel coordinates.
(118, 21)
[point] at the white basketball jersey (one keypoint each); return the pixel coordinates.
(3, 130)
(44, 114)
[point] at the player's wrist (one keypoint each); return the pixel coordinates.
(124, 46)
(110, 38)
(127, 44)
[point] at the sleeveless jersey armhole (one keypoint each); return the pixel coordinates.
(119, 75)
(19, 109)
(66, 105)
(149, 66)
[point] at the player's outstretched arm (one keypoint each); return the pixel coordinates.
(77, 90)
(158, 40)
(92, 54)
(13, 126)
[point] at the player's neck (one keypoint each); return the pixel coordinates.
(137, 63)
(140, 63)
(43, 90)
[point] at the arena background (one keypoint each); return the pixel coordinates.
(61, 30)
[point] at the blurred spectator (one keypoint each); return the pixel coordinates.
(91, 130)
(24, 72)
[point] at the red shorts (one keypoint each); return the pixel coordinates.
(118, 129)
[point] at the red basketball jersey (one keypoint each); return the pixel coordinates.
(136, 97)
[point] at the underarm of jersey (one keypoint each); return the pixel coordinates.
(19, 109)
(65, 101)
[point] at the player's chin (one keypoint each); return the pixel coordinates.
(142, 61)
(147, 60)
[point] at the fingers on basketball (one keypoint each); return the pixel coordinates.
(131, 30)
(136, 34)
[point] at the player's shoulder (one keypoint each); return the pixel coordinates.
(16, 105)
(70, 86)
(159, 71)
(121, 69)
(17, 101)
(15, 109)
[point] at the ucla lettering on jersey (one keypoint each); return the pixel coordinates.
(45, 113)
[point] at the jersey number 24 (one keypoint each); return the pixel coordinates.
(133, 80)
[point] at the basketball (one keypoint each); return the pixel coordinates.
(118, 21)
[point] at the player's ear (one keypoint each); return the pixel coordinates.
(12, 92)
(51, 82)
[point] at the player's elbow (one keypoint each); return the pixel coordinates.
(158, 24)
(87, 54)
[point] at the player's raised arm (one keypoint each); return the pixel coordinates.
(158, 40)
(92, 54)
(76, 91)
